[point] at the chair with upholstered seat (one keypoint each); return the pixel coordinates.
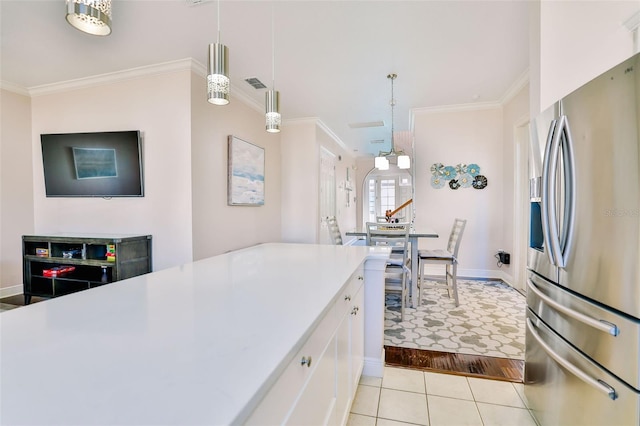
(334, 231)
(398, 270)
(448, 258)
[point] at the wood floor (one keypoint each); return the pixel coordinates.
(510, 370)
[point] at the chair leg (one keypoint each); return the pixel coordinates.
(403, 295)
(447, 274)
(420, 281)
(454, 280)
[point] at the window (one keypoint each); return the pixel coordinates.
(387, 195)
(386, 190)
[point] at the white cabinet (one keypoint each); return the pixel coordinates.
(357, 340)
(318, 385)
(349, 345)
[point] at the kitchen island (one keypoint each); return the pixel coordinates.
(209, 342)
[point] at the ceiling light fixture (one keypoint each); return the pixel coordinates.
(382, 160)
(218, 71)
(272, 97)
(90, 16)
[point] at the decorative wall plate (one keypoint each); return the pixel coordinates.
(479, 182)
(449, 172)
(437, 181)
(465, 180)
(437, 169)
(459, 176)
(473, 169)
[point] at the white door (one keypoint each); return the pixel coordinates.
(327, 193)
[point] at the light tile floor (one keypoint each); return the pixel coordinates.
(412, 397)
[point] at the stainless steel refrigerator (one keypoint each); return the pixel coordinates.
(582, 361)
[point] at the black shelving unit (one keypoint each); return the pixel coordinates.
(95, 261)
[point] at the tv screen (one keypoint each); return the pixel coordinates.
(101, 164)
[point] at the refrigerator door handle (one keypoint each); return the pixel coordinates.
(601, 325)
(596, 383)
(544, 196)
(552, 170)
(570, 191)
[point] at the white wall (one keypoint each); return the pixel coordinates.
(217, 227)
(300, 153)
(159, 106)
(16, 186)
(462, 135)
(346, 215)
(300, 176)
(515, 117)
(575, 41)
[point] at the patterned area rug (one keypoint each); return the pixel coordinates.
(490, 321)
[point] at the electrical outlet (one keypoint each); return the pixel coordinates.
(505, 258)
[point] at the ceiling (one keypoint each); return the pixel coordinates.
(332, 58)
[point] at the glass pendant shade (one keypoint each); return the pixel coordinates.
(90, 16)
(404, 162)
(218, 74)
(272, 103)
(381, 163)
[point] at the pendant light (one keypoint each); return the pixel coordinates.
(382, 160)
(382, 163)
(90, 16)
(272, 97)
(218, 71)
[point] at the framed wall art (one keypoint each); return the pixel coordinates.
(245, 177)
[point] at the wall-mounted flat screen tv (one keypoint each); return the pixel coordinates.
(100, 164)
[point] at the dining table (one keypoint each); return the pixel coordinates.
(414, 235)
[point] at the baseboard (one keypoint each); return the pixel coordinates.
(438, 271)
(14, 290)
(373, 367)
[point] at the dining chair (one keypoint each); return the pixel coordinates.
(448, 258)
(334, 231)
(398, 270)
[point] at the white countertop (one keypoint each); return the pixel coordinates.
(195, 344)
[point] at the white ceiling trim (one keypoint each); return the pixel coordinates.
(322, 126)
(515, 88)
(187, 64)
(83, 83)
(15, 88)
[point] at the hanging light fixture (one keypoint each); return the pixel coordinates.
(90, 16)
(272, 97)
(218, 71)
(382, 163)
(382, 160)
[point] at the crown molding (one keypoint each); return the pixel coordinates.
(320, 124)
(520, 83)
(101, 79)
(512, 91)
(187, 64)
(15, 88)
(633, 22)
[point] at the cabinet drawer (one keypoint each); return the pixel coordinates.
(280, 398)
(345, 299)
